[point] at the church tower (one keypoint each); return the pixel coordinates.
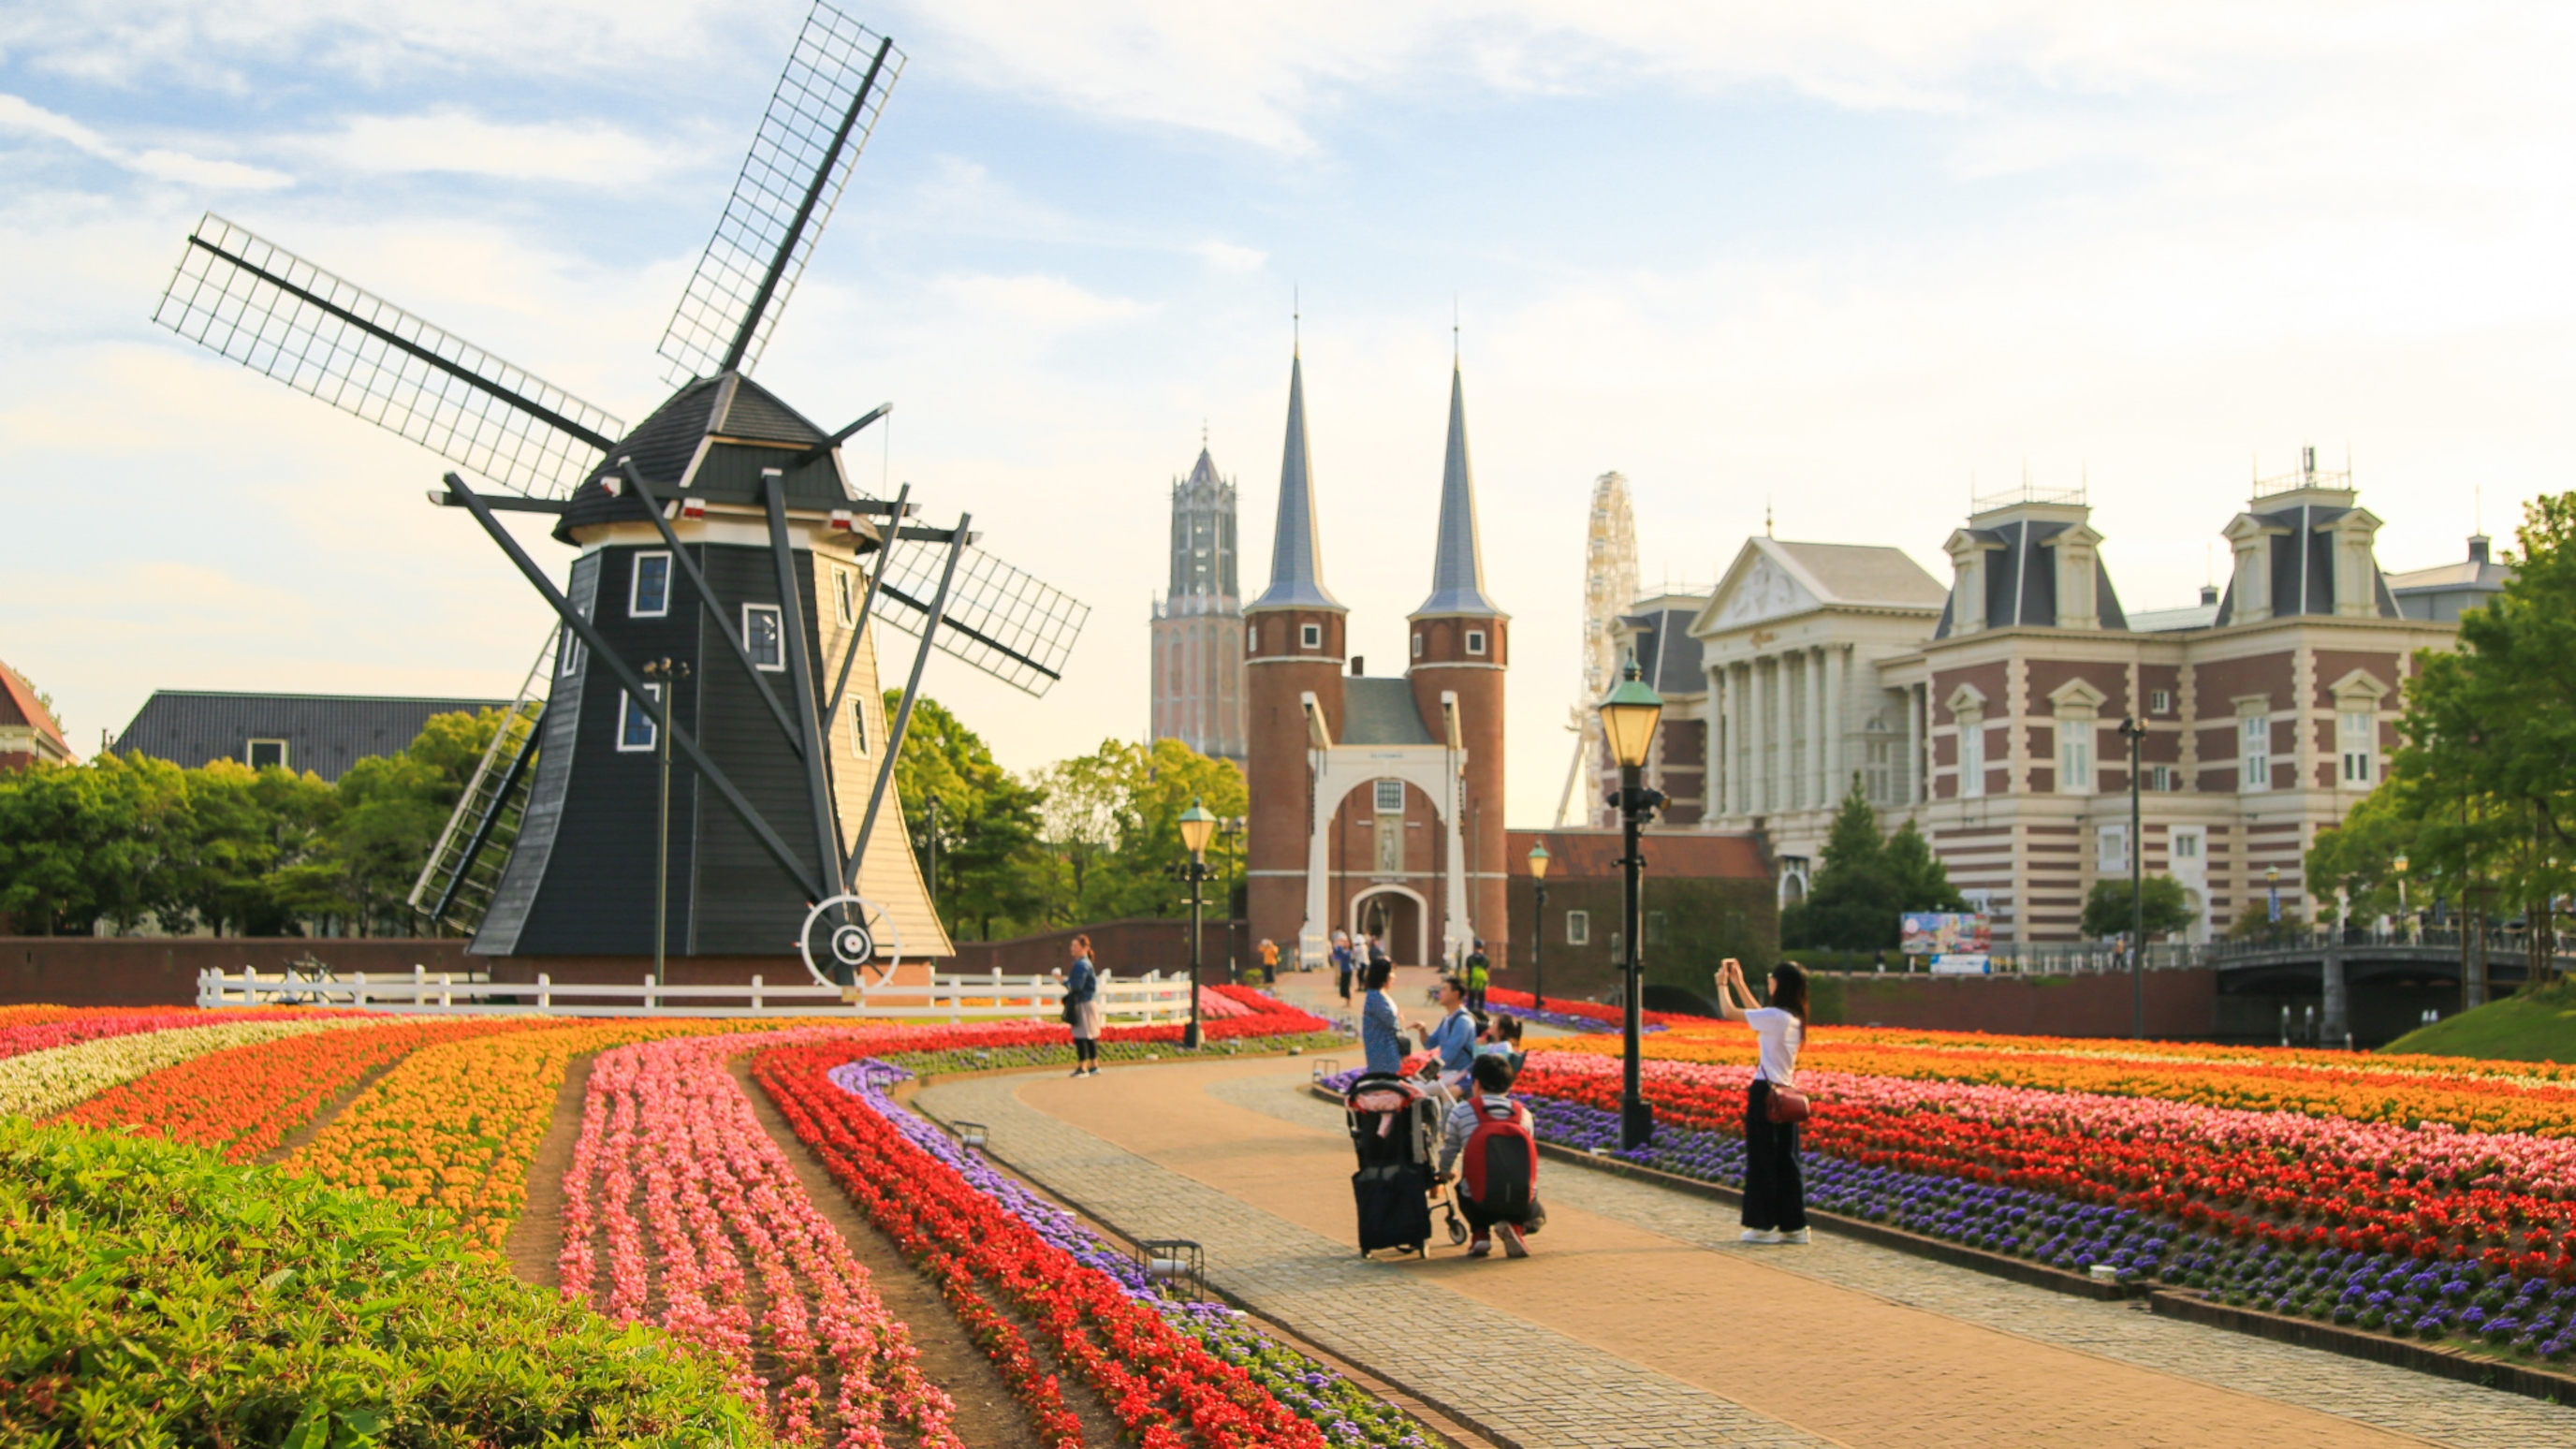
(1293, 651)
(1460, 646)
(1197, 666)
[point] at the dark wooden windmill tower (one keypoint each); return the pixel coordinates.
(720, 613)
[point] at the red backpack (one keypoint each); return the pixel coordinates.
(1499, 1167)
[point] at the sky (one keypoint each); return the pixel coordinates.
(1845, 262)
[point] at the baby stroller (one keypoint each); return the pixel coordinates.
(1395, 1127)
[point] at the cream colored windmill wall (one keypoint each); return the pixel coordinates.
(889, 876)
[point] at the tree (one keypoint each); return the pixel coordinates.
(991, 866)
(84, 843)
(1865, 883)
(2108, 910)
(1113, 820)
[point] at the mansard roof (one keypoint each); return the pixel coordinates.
(2021, 576)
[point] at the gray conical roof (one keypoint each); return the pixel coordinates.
(1458, 563)
(1296, 547)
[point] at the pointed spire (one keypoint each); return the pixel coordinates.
(1296, 548)
(1458, 563)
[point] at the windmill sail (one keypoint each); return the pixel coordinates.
(999, 619)
(819, 118)
(278, 314)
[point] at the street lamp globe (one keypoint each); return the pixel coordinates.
(1629, 715)
(1538, 858)
(1198, 827)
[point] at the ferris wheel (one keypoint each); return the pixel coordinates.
(1609, 587)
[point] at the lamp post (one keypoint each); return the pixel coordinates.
(2404, 916)
(2272, 878)
(1538, 859)
(667, 674)
(2134, 730)
(1230, 830)
(1197, 827)
(1628, 718)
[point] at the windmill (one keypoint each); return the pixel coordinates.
(729, 562)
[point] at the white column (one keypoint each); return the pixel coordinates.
(1781, 781)
(1314, 938)
(1817, 730)
(1837, 682)
(1457, 933)
(1915, 773)
(1732, 802)
(1757, 776)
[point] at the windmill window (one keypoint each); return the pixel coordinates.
(1578, 928)
(1310, 636)
(568, 654)
(859, 727)
(1475, 641)
(635, 731)
(649, 597)
(264, 753)
(844, 596)
(762, 636)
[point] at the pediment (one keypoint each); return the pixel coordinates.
(1758, 588)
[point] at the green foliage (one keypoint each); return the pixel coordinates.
(153, 1295)
(2530, 1026)
(1113, 826)
(1865, 882)
(241, 851)
(2479, 797)
(991, 869)
(2110, 909)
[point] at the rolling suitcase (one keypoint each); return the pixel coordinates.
(1394, 1206)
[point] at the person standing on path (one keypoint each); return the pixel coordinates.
(1479, 971)
(1343, 962)
(1775, 1196)
(1381, 1025)
(1269, 960)
(1082, 1008)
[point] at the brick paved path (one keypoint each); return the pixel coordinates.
(1639, 1321)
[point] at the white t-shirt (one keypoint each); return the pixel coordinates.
(1781, 1035)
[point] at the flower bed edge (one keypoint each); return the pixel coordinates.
(2442, 1361)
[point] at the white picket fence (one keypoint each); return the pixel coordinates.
(949, 996)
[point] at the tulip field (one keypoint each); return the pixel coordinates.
(2426, 1197)
(286, 1227)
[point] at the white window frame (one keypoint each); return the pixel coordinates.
(2159, 701)
(635, 587)
(2186, 844)
(1417, 643)
(2075, 764)
(845, 596)
(2358, 761)
(1385, 788)
(250, 753)
(568, 654)
(1252, 639)
(629, 716)
(2111, 850)
(2253, 752)
(1578, 928)
(1972, 756)
(750, 644)
(859, 726)
(1310, 636)
(1475, 641)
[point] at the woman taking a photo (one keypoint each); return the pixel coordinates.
(1082, 1008)
(1775, 1197)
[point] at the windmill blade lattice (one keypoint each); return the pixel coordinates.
(999, 619)
(819, 118)
(278, 314)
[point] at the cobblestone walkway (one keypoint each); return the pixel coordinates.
(1640, 1322)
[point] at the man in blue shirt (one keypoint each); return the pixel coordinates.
(1455, 1037)
(1381, 1027)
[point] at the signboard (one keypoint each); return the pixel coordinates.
(1964, 963)
(1928, 933)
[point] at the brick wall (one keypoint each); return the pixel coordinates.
(2180, 1004)
(162, 971)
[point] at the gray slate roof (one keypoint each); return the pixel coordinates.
(324, 733)
(1457, 559)
(1296, 545)
(1382, 712)
(1668, 658)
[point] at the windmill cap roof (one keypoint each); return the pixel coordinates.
(712, 438)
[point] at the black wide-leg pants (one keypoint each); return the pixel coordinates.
(1775, 1196)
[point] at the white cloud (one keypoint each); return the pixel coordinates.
(28, 119)
(456, 141)
(1227, 257)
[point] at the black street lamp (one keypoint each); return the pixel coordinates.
(2135, 729)
(1538, 859)
(667, 673)
(1197, 827)
(1230, 830)
(1628, 719)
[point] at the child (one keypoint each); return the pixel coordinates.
(1489, 1135)
(1502, 1038)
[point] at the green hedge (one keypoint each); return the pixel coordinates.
(152, 1295)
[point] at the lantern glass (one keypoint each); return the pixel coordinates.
(1197, 828)
(1629, 716)
(1538, 858)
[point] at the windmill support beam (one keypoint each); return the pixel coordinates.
(903, 714)
(800, 665)
(657, 707)
(867, 605)
(725, 628)
(821, 450)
